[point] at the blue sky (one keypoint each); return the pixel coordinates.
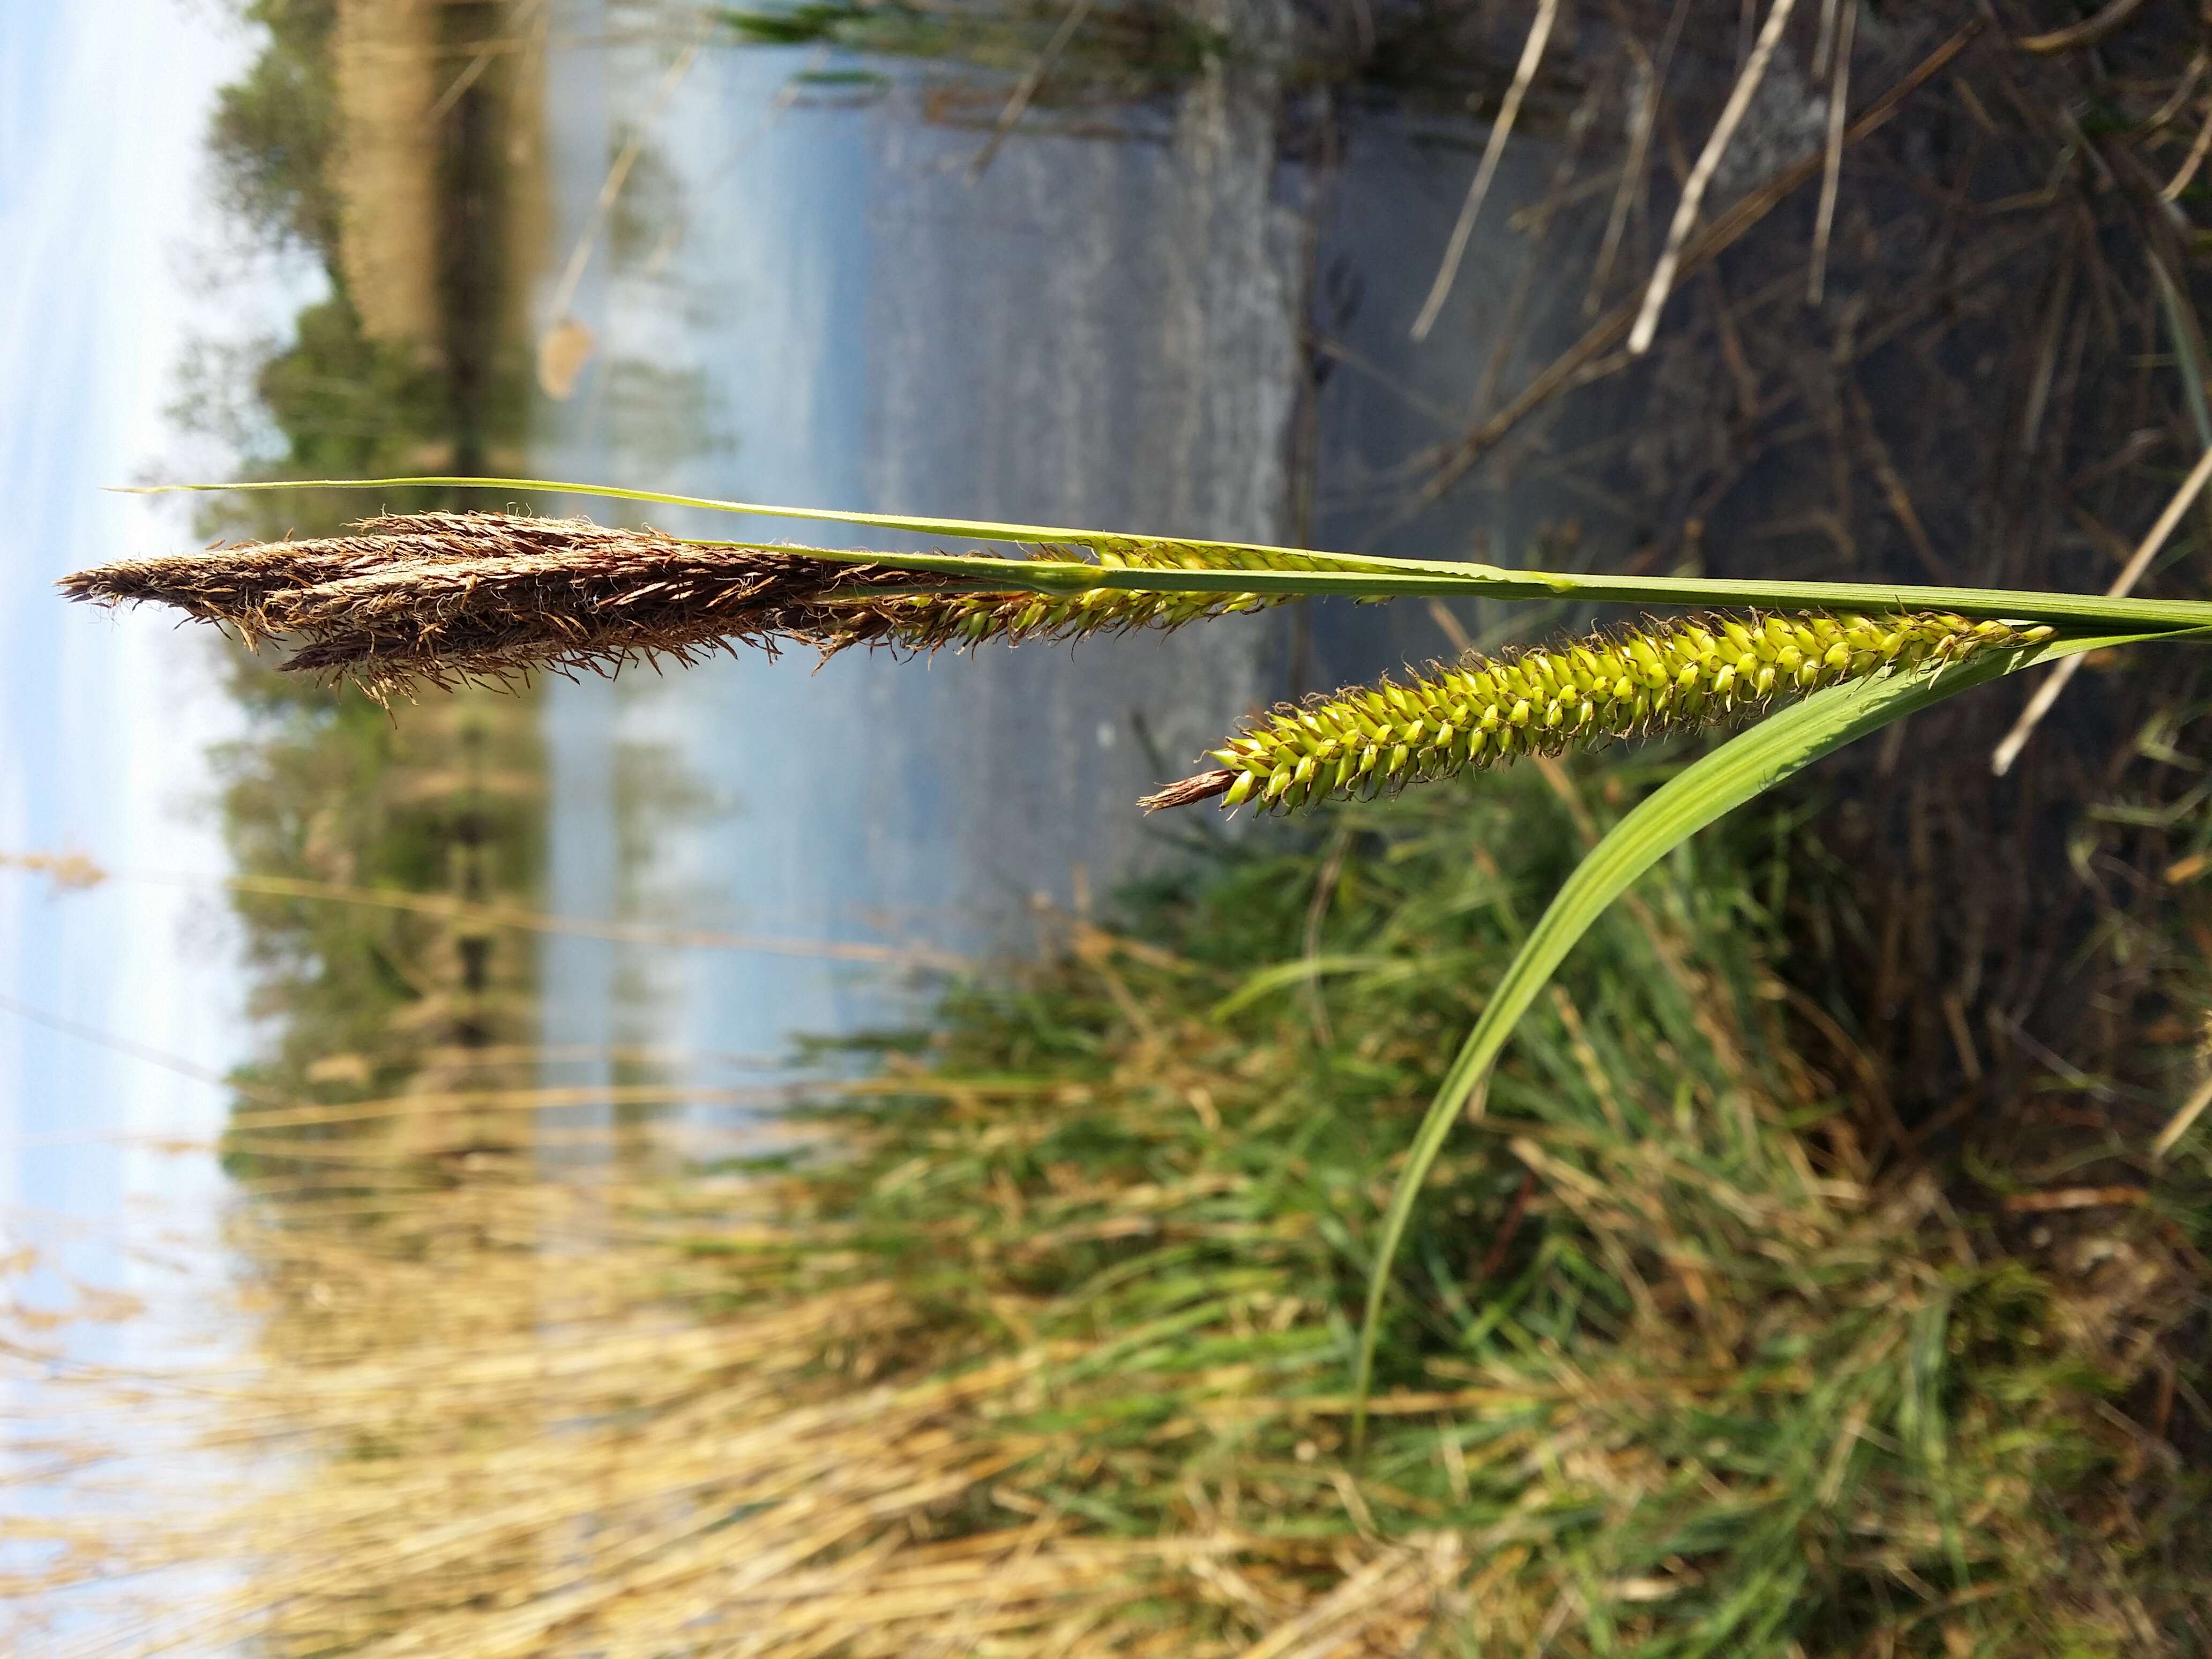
(105, 722)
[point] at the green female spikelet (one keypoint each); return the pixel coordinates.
(1664, 677)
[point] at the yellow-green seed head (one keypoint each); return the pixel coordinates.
(1663, 678)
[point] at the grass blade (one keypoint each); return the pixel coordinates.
(1740, 770)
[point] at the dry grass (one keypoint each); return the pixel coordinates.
(1998, 378)
(388, 75)
(519, 1428)
(1698, 1350)
(1036, 1343)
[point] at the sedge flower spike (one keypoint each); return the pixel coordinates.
(1663, 677)
(442, 598)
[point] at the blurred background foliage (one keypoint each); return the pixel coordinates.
(1809, 1287)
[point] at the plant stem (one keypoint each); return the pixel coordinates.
(1351, 575)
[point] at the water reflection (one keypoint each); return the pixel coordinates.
(1060, 330)
(942, 260)
(787, 297)
(667, 244)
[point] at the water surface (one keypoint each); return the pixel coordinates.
(839, 310)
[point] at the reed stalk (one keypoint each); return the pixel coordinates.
(437, 598)
(1282, 572)
(441, 599)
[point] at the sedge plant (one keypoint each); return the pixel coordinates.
(1804, 667)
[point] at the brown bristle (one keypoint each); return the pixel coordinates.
(1185, 791)
(442, 598)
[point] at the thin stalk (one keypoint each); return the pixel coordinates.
(2048, 693)
(1701, 176)
(1532, 54)
(1832, 173)
(2070, 611)
(1346, 574)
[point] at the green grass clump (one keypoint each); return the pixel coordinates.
(1039, 1335)
(1669, 1368)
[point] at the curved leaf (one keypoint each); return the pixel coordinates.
(1301, 969)
(1742, 768)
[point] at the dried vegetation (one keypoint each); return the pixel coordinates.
(1938, 320)
(1035, 1343)
(1788, 1300)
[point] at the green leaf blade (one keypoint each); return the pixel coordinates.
(1739, 770)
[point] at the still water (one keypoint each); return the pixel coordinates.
(835, 308)
(830, 305)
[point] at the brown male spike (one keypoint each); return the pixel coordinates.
(441, 598)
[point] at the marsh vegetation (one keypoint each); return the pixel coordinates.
(1824, 1269)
